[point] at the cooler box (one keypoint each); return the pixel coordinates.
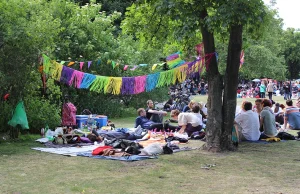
(81, 120)
(101, 120)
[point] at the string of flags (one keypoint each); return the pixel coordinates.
(174, 60)
(123, 85)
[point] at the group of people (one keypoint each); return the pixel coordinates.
(264, 121)
(287, 89)
(190, 121)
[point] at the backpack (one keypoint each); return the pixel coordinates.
(60, 140)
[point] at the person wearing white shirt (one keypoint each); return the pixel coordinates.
(190, 122)
(248, 124)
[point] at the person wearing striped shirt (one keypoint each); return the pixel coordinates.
(291, 116)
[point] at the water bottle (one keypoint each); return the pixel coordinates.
(43, 132)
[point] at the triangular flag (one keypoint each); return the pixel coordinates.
(154, 66)
(117, 64)
(113, 64)
(89, 64)
(125, 67)
(71, 63)
(98, 62)
(242, 58)
(62, 62)
(132, 69)
(108, 62)
(81, 65)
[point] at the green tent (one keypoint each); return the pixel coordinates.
(19, 116)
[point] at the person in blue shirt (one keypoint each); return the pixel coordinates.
(145, 123)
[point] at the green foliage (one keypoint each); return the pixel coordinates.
(41, 112)
(291, 51)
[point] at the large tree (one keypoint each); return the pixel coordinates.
(185, 19)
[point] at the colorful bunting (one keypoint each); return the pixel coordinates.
(81, 65)
(120, 85)
(71, 63)
(89, 64)
(125, 67)
(242, 58)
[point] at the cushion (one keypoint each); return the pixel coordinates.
(85, 140)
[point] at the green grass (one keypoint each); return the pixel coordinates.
(254, 168)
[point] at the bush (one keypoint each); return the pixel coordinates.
(40, 113)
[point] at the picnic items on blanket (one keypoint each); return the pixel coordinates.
(270, 139)
(60, 139)
(126, 145)
(153, 149)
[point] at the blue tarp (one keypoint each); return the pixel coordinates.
(123, 158)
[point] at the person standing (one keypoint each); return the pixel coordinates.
(270, 89)
(262, 90)
(287, 91)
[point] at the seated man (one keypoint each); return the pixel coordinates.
(154, 115)
(291, 116)
(248, 123)
(190, 122)
(145, 123)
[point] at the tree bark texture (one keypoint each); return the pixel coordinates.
(230, 85)
(214, 101)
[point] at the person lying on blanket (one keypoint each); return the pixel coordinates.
(94, 136)
(191, 122)
(144, 122)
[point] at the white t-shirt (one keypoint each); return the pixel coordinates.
(195, 119)
(250, 125)
(279, 111)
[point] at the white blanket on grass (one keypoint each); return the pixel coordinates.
(67, 151)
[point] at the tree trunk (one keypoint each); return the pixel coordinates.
(230, 85)
(214, 101)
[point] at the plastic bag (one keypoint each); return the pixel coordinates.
(153, 149)
(181, 135)
(19, 117)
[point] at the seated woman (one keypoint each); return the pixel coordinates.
(278, 112)
(191, 122)
(267, 120)
(172, 123)
(145, 123)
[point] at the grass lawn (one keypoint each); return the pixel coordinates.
(254, 168)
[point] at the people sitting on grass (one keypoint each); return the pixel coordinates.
(154, 115)
(291, 116)
(172, 123)
(247, 123)
(278, 112)
(258, 106)
(144, 122)
(190, 122)
(267, 120)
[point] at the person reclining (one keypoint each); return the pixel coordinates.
(144, 122)
(191, 122)
(291, 116)
(248, 124)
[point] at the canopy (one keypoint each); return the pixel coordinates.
(256, 80)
